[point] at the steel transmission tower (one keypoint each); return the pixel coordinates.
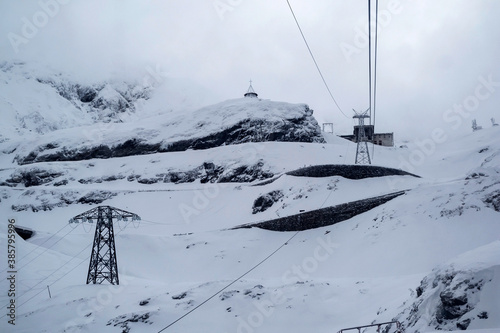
(103, 265)
(362, 152)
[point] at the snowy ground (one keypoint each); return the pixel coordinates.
(357, 272)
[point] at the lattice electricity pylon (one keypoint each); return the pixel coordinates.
(362, 152)
(103, 265)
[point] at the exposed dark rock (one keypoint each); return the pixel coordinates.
(458, 211)
(246, 174)
(144, 302)
(492, 200)
(90, 180)
(111, 101)
(256, 292)
(149, 180)
(180, 296)
(96, 197)
(86, 94)
(211, 172)
(475, 175)
(112, 178)
(61, 182)
(452, 306)
(124, 320)
(179, 177)
(228, 294)
(131, 178)
(33, 177)
(420, 291)
(24, 232)
(483, 315)
(464, 324)
(444, 300)
(46, 200)
(265, 201)
(304, 129)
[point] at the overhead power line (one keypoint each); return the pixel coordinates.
(230, 284)
(372, 71)
(241, 276)
(370, 59)
(314, 60)
(375, 63)
(38, 246)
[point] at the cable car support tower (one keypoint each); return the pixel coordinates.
(362, 152)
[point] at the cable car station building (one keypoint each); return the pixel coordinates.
(381, 139)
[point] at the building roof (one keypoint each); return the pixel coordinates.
(251, 92)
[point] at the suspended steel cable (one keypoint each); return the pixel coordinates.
(39, 245)
(37, 284)
(45, 250)
(230, 284)
(51, 274)
(375, 64)
(314, 60)
(374, 69)
(241, 276)
(370, 60)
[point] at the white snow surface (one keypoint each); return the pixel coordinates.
(361, 271)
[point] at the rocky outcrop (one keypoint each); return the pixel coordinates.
(492, 200)
(208, 172)
(32, 177)
(46, 200)
(450, 298)
(303, 129)
(266, 201)
(104, 101)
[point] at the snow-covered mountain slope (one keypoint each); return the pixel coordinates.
(374, 267)
(50, 116)
(465, 290)
(37, 100)
(230, 122)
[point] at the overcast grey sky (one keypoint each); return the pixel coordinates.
(438, 61)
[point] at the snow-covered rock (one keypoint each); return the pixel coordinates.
(458, 294)
(37, 100)
(231, 122)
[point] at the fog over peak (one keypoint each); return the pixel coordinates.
(432, 55)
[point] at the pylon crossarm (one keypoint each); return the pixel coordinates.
(112, 212)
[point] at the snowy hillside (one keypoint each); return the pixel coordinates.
(37, 100)
(231, 122)
(428, 258)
